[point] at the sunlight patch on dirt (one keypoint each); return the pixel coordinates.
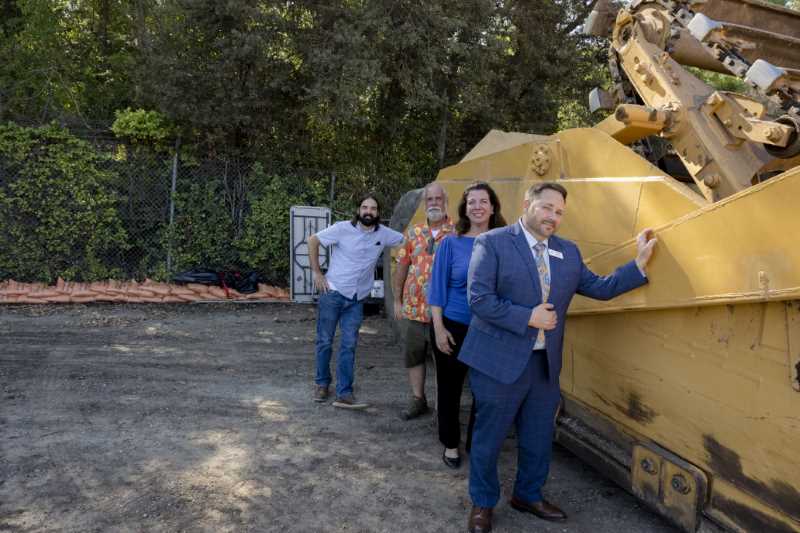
(271, 410)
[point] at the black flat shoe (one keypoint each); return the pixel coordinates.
(451, 462)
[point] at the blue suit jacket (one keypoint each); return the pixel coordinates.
(503, 288)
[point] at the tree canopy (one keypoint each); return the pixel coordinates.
(370, 89)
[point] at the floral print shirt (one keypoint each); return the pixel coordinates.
(417, 252)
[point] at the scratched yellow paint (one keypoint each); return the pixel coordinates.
(718, 371)
(701, 360)
(741, 248)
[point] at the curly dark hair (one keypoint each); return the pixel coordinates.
(495, 221)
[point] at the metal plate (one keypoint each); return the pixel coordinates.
(304, 222)
(793, 330)
(673, 487)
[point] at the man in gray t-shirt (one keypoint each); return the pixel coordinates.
(357, 245)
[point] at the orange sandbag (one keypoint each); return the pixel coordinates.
(151, 299)
(265, 290)
(197, 287)
(162, 289)
(98, 286)
(24, 299)
(59, 299)
(235, 295)
(82, 299)
(43, 293)
(156, 287)
(217, 292)
(13, 291)
(180, 290)
(16, 288)
(117, 287)
(83, 294)
(140, 293)
(82, 290)
(169, 299)
(257, 296)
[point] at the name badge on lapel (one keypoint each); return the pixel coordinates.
(555, 253)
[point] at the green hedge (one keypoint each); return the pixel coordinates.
(58, 215)
(68, 210)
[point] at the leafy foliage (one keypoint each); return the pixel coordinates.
(721, 82)
(203, 232)
(57, 217)
(70, 61)
(378, 93)
(140, 126)
(264, 245)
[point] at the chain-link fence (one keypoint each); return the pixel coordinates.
(158, 215)
(88, 211)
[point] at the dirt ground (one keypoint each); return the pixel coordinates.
(199, 418)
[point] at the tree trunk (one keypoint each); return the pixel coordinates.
(104, 14)
(441, 145)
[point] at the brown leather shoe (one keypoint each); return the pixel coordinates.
(480, 520)
(543, 509)
(321, 393)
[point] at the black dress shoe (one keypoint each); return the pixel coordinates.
(452, 462)
(480, 520)
(542, 509)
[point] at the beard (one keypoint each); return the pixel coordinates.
(367, 220)
(545, 227)
(435, 214)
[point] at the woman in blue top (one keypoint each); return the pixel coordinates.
(478, 211)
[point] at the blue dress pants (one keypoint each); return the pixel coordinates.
(334, 309)
(531, 403)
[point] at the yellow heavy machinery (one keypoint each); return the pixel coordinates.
(687, 391)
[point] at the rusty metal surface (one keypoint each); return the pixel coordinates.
(779, 50)
(674, 487)
(762, 15)
(793, 334)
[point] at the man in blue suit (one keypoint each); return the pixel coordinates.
(521, 281)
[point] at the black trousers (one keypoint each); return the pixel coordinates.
(450, 374)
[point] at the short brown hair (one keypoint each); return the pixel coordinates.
(538, 188)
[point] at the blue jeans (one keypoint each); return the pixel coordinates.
(335, 309)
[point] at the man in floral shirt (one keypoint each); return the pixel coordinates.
(415, 260)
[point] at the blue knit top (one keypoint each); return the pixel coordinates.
(448, 284)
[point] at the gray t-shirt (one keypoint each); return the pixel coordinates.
(355, 253)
